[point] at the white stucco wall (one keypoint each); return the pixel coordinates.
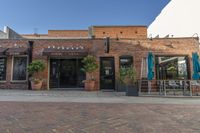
(180, 18)
(3, 35)
(8, 33)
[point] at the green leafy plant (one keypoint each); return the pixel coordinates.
(34, 68)
(90, 65)
(127, 75)
(122, 74)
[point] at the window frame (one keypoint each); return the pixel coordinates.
(12, 67)
(126, 57)
(187, 62)
(3, 81)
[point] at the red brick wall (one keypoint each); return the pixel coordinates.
(68, 33)
(8, 84)
(138, 48)
(119, 31)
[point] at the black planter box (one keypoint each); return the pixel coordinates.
(121, 87)
(132, 90)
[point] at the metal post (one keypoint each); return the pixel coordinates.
(190, 89)
(165, 93)
(139, 86)
(160, 86)
(149, 87)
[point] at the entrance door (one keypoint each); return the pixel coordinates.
(107, 73)
(66, 73)
(54, 73)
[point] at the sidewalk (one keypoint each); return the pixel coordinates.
(89, 97)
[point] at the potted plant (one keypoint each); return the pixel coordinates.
(89, 67)
(128, 77)
(121, 87)
(34, 69)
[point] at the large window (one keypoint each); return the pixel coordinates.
(125, 61)
(172, 67)
(2, 68)
(19, 68)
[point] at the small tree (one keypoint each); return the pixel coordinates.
(34, 68)
(90, 65)
(127, 75)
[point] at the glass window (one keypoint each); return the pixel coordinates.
(126, 61)
(2, 68)
(172, 67)
(19, 68)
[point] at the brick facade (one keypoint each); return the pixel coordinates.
(68, 33)
(126, 32)
(136, 47)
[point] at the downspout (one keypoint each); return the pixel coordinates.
(30, 57)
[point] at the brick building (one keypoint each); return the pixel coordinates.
(63, 50)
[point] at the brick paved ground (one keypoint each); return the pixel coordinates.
(32, 117)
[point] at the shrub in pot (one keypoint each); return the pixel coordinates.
(121, 87)
(128, 77)
(89, 67)
(34, 69)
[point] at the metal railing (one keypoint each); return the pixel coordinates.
(169, 87)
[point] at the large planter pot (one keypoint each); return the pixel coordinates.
(90, 85)
(121, 87)
(132, 90)
(36, 85)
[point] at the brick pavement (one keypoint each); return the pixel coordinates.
(33, 117)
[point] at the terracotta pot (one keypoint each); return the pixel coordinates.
(90, 85)
(36, 85)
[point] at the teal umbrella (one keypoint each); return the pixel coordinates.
(150, 66)
(196, 66)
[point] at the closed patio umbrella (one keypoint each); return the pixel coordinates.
(150, 66)
(196, 66)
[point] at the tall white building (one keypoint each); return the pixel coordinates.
(180, 18)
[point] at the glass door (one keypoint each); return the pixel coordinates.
(54, 81)
(107, 73)
(66, 73)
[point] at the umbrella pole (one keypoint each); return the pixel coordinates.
(149, 87)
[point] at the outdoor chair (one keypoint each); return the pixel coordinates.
(174, 85)
(184, 86)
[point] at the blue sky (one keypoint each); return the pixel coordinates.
(28, 16)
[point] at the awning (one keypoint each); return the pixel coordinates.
(2, 51)
(65, 52)
(17, 51)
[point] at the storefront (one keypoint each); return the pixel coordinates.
(66, 73)
(172, 67)
(65, 65)
(63, 58)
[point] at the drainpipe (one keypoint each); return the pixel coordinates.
(30, 57)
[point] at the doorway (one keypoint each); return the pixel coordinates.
(107, 73)
(66, 73)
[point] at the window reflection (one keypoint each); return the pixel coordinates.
(19, 68)
(171, 67)
(126, 61)
(2, 68)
